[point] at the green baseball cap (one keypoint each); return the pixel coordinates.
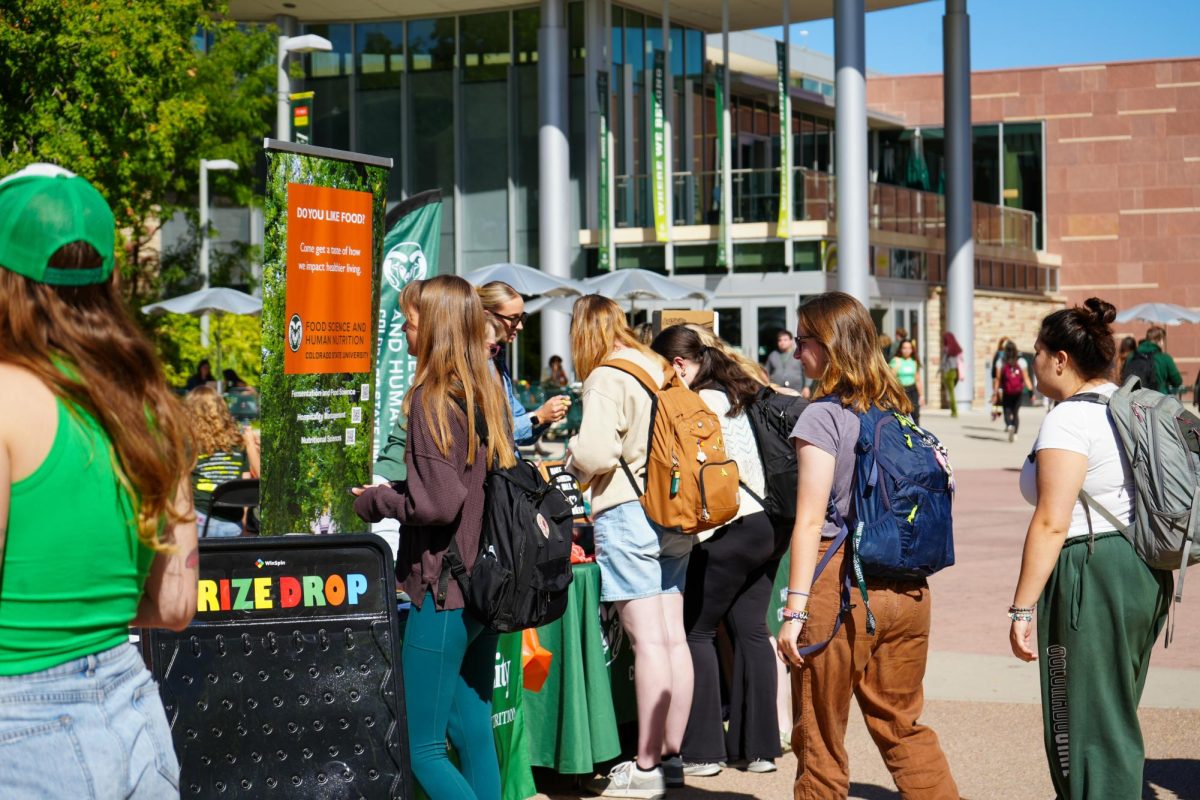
(42, 208)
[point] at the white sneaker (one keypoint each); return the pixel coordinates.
(1011, 434)
(761, 765)
(701, 769)
(626, 780)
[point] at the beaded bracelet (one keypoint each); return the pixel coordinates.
(797, 592)
(798, 616)
(1021, 613)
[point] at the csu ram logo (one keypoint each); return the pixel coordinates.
(404, 263)
(295, 332)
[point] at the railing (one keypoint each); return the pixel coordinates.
(756, 199)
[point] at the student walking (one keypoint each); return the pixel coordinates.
(96, 525)
(883, 671)
(642, 570)
(907, 367)
(952, 363)
(1012, 380)
(730, 574)
(1099, 608)
(448, 656)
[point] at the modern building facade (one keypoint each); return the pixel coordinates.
(1119, 194)
(499, 105)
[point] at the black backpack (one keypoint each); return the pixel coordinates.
(772, 416)
(523, 569)
(1141, 364)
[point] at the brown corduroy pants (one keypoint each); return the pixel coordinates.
(884, 671)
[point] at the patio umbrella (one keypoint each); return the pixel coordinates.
(525, 280)
(218, 301)
(1159, 314)
(637, 284)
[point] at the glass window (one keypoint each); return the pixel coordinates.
(635, 43)
(525, 35)
(986, 147)
(525, 135)
(576, 44)
(654, 39)
(617, 55)
(771, 320)
(483, 46)
(677, 54)
(431, 44)
(823, 142)
(1023, 170)
(694, 53)
(379, 103)
(327, 75)
(380, 54)
(729, 326)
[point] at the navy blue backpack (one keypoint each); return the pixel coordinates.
(902, 495)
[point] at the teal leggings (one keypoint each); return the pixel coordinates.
(449, 668)
(1098, 618)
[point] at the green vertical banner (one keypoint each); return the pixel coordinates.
(411, 250)
(659, 145)
(302, 108)
(508, 721)
(605, 216)
(784, 229)
(321, 256)
(719, 182)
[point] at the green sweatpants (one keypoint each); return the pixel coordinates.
(1098, 618)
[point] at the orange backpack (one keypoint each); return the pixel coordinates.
(691, 485)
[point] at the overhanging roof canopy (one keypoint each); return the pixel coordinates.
(702, 14)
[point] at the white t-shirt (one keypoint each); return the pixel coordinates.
(1086, 428)
(741, 446)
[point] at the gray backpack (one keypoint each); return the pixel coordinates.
(1161, 439)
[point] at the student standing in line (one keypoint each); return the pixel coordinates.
(1099, 607)
(730, 574)
(1012, 380)
(908, 371)
(885, 671)
(642, 570)
(96, 525)
(449, 657)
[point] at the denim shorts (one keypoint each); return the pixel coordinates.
(217, 528)
(93, 727)
(636, 559)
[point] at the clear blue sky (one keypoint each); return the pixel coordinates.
(1023, 33)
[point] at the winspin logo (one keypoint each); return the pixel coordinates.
(260, 563)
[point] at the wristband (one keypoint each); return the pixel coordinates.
(788, 614)
(1021, 613)
(797, 592)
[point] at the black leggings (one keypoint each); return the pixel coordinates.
(915, 398)
(1012, 407)
(729, 578)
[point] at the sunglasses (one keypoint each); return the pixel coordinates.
(512, 319)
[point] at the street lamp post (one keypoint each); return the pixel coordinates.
(308, 43)
(205, 166)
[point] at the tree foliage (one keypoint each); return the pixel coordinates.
(124, 94)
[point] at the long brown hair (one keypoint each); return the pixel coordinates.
(81, 342)
(452, 367)
(597, 326)
(855, 371)
(495, 294)
(752, 368)
(716, 370)
(213, 427)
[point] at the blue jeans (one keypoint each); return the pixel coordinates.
(90, 728)
(449, 671)
(217, 528)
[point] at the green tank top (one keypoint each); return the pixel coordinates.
(905, 369)
(74, 568)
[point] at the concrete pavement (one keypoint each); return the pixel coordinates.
(983, 702)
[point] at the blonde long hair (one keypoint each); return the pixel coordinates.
(452, 367)
(597, 326)
(855, 371)
(752, 368)
(495, 294)
(213, 427)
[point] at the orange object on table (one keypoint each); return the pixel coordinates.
(535, 660)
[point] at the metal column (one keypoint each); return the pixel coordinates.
(960, 244)
(668, 135)
(849, 34)
(727, 146)
(554, 170)
(785, 129)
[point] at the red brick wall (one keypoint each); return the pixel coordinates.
(1122, 173)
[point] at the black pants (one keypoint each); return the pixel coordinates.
(729, 578)
(915, 399)
(1012, 407)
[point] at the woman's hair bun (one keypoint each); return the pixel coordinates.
(1101, 311)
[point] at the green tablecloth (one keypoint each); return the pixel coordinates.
(571, 723)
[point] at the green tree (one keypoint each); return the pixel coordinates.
(131, 95)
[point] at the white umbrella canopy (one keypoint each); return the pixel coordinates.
(525, 280)
(219, 301)
(642, 284)
(563, 304)
(1159, 314)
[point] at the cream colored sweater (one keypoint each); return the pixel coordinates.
(616, 423)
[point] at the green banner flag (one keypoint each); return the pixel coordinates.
(605, 215)
(411, 250)
(321, 256)
(302, 108)
(719, 182)
(659, 145)
(783, 231)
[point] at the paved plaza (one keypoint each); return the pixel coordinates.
(983, 702)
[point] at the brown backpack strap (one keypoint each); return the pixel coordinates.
(642, 377)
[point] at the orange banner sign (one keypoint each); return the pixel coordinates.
(328, 305)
